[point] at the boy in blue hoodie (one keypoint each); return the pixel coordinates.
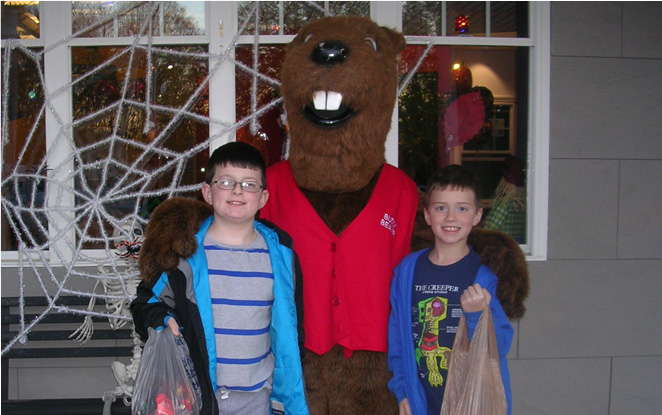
(432, 288)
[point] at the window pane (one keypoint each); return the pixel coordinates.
(20, 19)
(119, 19)
(113, 127)
(23, 163)
(465, 18)
(473, 114)
(509, 18)
(269, 17)
(295, 14)
(271, 135)
(182, 18)
(421, 18)
(108, 19)
(349, 8)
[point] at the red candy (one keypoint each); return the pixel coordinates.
(163, 405)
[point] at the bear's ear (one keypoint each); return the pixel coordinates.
(297, 39)
(396, 39)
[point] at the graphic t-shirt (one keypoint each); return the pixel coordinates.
(436, 313)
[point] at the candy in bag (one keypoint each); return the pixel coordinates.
(166, 383)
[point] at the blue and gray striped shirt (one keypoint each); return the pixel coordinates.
(241, 286)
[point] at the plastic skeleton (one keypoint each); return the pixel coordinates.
(118, 290)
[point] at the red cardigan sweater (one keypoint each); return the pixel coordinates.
(346, 278)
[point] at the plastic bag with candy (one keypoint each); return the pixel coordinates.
(474, 385)
(166, 383)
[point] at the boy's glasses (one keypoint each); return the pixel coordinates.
(229, 184)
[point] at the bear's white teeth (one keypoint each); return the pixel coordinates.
(327, 101)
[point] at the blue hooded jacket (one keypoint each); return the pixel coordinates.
(185, 295)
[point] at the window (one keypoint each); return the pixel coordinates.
(100, 91)
(115, 96)
(462, 107)
(496, 52)
(175, 76)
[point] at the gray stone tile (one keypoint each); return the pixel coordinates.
(560, 386)
(591, 309)
(636, 385)
(583, 207)
(639, 222)
(641, 29)
(67, 363)
(605, 108)
(586, 28)
(512, 354)
(52, 383)
(12, 383)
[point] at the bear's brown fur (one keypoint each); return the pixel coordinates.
(170, 235)
(336, 166)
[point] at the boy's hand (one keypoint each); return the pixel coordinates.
(174, 327)
(475, 298)
(404, 407)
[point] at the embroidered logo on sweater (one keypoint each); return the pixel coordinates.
(389, 223)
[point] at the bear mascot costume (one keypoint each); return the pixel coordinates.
(352, 216)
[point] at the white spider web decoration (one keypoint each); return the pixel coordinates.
(61, 244)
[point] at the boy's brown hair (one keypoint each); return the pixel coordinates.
(453, 176)
(237, 154)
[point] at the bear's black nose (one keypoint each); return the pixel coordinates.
(330, 52)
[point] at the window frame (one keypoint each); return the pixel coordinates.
(221, 28)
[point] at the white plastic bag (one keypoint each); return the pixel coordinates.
(166, 383)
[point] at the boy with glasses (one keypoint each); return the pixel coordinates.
(233, 300)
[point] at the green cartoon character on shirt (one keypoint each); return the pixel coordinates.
(431, 313)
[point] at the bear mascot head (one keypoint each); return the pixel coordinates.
(339, 84)
(352, 216)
